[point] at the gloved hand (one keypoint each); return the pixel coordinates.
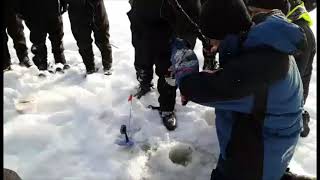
(63, 6)
(184, 61)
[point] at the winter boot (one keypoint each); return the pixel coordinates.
(40, 56)
(213, 174)
(25, 61)
(144, 78)
(290, 176)
(6, 67)
(107, 68)
(106, 55)
(6, 55)
(60, 58)
(169, 120)
(7, 62)
(143, 89)
(91, 71)
(22, 52)
(88, 59)
(306, 120)
(106, 59)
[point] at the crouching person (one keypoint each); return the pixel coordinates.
(257, 93)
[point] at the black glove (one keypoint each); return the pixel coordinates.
(63, 6)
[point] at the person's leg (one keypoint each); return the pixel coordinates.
(143, 64)
(38, 36)
(304, 62)
(101, 34)
(167, 91)
(248, 150)
(279, 147)
(81, 30)
(56, 34)
(6, 57)
(241, 147)
(143, 59)
(307, 71)
(306, 77)
(15, 30)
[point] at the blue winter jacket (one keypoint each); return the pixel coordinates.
(262, 56)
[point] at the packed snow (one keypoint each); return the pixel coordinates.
(64, 126)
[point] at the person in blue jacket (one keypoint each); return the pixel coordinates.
(297, 13)
(257, 92)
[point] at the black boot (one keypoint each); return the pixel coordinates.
(6, 55)
(213, 174)
(143, 89)
(306, 120)
(106, 59)
(106, 56)
(169, 120)
(91, 71)
(6, 67)
(7, 62)
(107, 69)
(88, 59)
(40, 56)
(144, 78)
(25, 61)
(290, 176)
(60, 58)
(40, 62)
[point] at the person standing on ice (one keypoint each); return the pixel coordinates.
(44, 17)
(296, 13)
(14, 27)
(153, 24)
(257, 92)
(87, 16)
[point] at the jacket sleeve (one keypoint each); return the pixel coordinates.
(239, 78)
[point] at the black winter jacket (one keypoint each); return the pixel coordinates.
(36, 10)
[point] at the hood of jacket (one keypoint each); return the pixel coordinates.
(277, 33)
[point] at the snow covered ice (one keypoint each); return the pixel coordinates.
(63, 127)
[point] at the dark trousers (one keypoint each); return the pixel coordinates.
(6, 54)
(38, 34)
(15, 29)
(88, 18)
(305, 59)
(153, 25)
(152, 47)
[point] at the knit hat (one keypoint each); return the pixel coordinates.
(221, 17)
(283, 5)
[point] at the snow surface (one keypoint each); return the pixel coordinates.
(64, 126)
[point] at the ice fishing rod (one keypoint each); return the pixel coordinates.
(205, 40)
(123, 129)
